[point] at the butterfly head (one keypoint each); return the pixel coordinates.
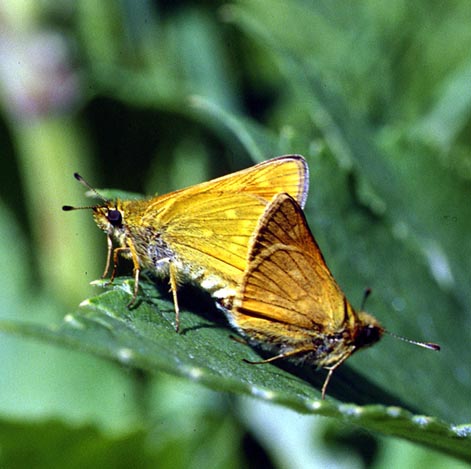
(109, 216)
(368, 331)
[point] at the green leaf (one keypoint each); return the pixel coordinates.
(48, 442)
(256, 140)
(181, 434)
(144, 337)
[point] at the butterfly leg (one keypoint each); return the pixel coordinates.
(276, 357)
(330, 373)
(297, 352)
(108, 256)
(136, 287)
(115, 262)
(268, 360)
(326, 381)
(137, 270)
(239, 340)
(173, 288)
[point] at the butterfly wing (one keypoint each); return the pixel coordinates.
(288, 174)
(213, 233)
(209, 226)
(287, 280)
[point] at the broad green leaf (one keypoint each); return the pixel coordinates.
(144, 337)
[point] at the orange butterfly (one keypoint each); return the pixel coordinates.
(289, 302)
(199, 234)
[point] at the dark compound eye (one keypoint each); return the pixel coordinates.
(115, 217)
(368, 335)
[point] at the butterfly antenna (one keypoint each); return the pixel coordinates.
(88, 186)
(428, 345)
(82, 181)
(68, 208)
(366, 294)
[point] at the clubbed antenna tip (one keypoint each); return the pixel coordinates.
(427, 345)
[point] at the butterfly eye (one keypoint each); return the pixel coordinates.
(115, 217)
(369, 335)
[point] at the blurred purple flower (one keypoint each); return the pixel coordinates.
(36, 76)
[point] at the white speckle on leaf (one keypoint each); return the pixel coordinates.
(393, 411)
(314, 405)
(71, 320)
(350, 410)
(100, 282)
(195, 373)
(125, 354)
(462, 431)
(421, 420)
(262, 393)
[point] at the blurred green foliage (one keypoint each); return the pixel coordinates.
(153, 96)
